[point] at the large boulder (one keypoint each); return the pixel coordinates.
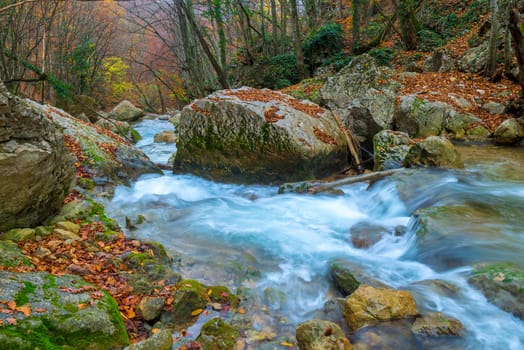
(389, 149)
(363, 94)
(419, 117)
(368, 306)
(37, 170)
(474, 60)
(321, 335)
(502, 284)
(101, 154)
(126, 111)
(433, 152)
(250, 135)
(439, 61)
(55, 312)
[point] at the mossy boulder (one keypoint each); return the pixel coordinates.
(190, 295)
(458, 125)
(162, 340)
(433, 152)
(321, 335)
(389, 149)
(307, 89)
(216, 334)
(11, 256)
(369, 305)
(342, 277)
(109, 158)
(120, 128)
(419, 117)
(36, 168)
(435, 324)
(19, 234)
(60, 313)
(258, 136)
(510, 131)
(502, 284)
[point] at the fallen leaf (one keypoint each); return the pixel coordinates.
(40, 309)
(11, 321)
(155, 330)
(11, 305)
(285, 343)
(81, 306)
(209, 292)
(196, 312)
(241, 310)
(25, 309)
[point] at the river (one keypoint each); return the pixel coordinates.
(276, 248)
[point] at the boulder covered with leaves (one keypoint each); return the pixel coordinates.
(363, 94)
(258, 136)
(102, 157)
(37, 171)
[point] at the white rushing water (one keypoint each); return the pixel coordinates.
(249, 236)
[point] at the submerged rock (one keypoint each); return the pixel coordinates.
(435, 152)
(166, 136)
(510, 131)
(321, 335)
(368, 305)
(435, 324)
(502, 284)
(59, 312)
(263, 136)
(37, 171)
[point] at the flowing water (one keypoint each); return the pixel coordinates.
(276, 248)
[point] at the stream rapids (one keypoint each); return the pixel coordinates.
(276, 248)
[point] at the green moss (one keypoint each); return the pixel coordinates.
(222, 295)
(22, 297)
(216, 334)
(507, 271)
(86, 183)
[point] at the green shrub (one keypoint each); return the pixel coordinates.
(382, 55)
(429, 40)
(339, 60)
(323, 43)
(282, 83)
(279, 68)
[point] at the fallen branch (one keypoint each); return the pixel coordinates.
(314, 187)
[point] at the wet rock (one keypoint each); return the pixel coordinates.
(439, 61)
(120, 128)
(65, 235)
(218, 335)
(262, 136)
(11, 256)
(274, 298)
(189, 296)
(433, 152)
(166, 136)
(321, 335)
(162, 340)
(149, 308)
(36, 168)
(126, 111)
(502, 284)
(419, 117)
(68, 317)
(368, 305)
(347, 277)
(435, 324)
(363, 94)
(509, 132)
(390, 149)
(175, 119)
(366, 234)
(458, 124)
(390, 335)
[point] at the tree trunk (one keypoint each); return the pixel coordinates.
(297, 40)
(518, 44)
(274, 29)
(283, 20)
(491, 63)
(408, 23)
(222, 41)
(355, 28)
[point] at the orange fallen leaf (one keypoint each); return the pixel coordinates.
(25, 309)
(196, 312)
(241, 310)
(81, 306)
(155, 330)
(40, 309)
(11, 305)
(131, 313)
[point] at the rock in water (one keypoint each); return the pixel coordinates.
(321, 335)
(250, 135)
(368, 306)
(126, 111)
(37, 171)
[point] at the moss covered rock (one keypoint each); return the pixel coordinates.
(11, 256)
(216, 334)
(321, 335)
(510, 131)
(502, 284)
(390, 149)
(59, 314)
(249, 135)
(433, 152)
(419, 117)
